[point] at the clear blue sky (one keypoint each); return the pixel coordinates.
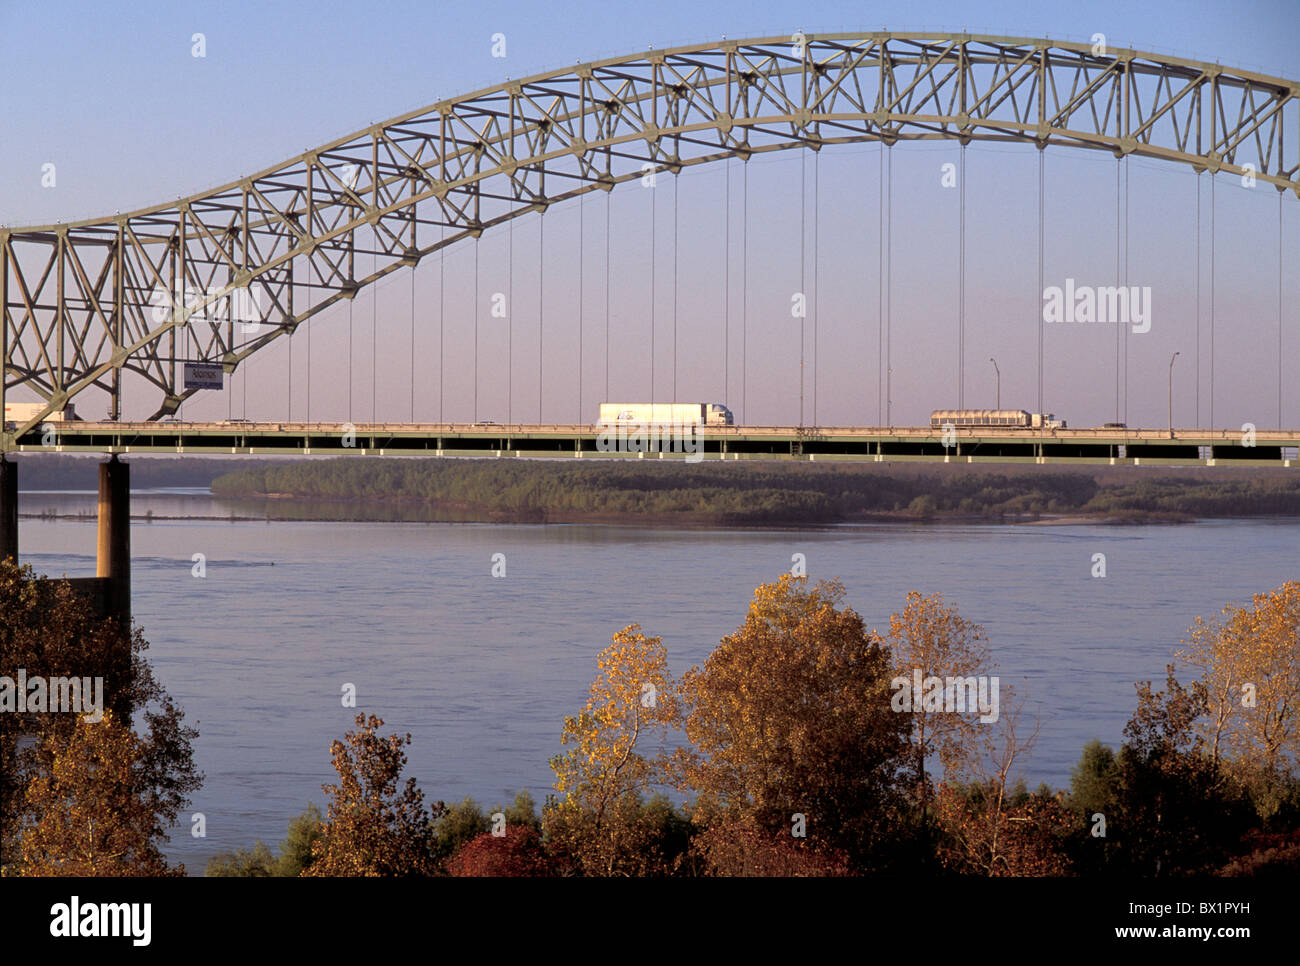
(111, 95)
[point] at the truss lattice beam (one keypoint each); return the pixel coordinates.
(86, 301)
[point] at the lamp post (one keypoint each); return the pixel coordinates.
(1171, 394)
(999, 372)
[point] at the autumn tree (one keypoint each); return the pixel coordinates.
(741, 847)
(517, 851)
(454, 825)
(990, 825)
(88, 816)
(49, 631)
(790, 716)
(373, 828)
(598, 815)
(1249, 658)
(930, 640)
(987, 832)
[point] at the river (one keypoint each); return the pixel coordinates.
(481, 669)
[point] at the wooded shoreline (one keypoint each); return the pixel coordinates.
(752, 495)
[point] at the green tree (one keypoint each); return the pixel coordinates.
(296, 849)
(522, 811)
(259, 861)
(1093, 779)
(456, 825)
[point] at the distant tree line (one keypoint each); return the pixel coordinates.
(754, 494)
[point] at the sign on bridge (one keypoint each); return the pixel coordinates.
(204, 375)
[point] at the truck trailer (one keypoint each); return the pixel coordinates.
(20, 412)
(658, 414)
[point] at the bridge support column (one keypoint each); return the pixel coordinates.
(113, 559)
(8, 510)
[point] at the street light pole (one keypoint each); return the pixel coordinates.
(1171, 394)
(999, 372)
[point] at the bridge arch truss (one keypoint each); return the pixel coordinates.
(146, 291)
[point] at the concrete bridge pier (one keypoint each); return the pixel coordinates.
(8, 510)
(109, 591)
(113, 557)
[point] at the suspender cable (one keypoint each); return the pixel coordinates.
(1198, 298)
(374, 337)
(1130, 294)
(803, 291)
(1119, 280)
(607, 205)
(181, 411)
(308, 346)
(961, 281)
(476, 242)
(889, 289)
(308, 343)
(816, 277)
(581, 292)
(744, 289)
(442, 311)
(412, 342)
(676, 182)
(652, 291)
(1212, 424)
(510, 316)
(1038, 297)
(1280, 424)
(541, 305)
(726, 283)
(350, 301)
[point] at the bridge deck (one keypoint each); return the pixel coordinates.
(1185, 447)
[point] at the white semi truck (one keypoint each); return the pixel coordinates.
(658, 414)
(20, 412)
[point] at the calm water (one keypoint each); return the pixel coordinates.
(481, 670)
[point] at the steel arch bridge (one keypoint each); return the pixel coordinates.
(81, 303)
